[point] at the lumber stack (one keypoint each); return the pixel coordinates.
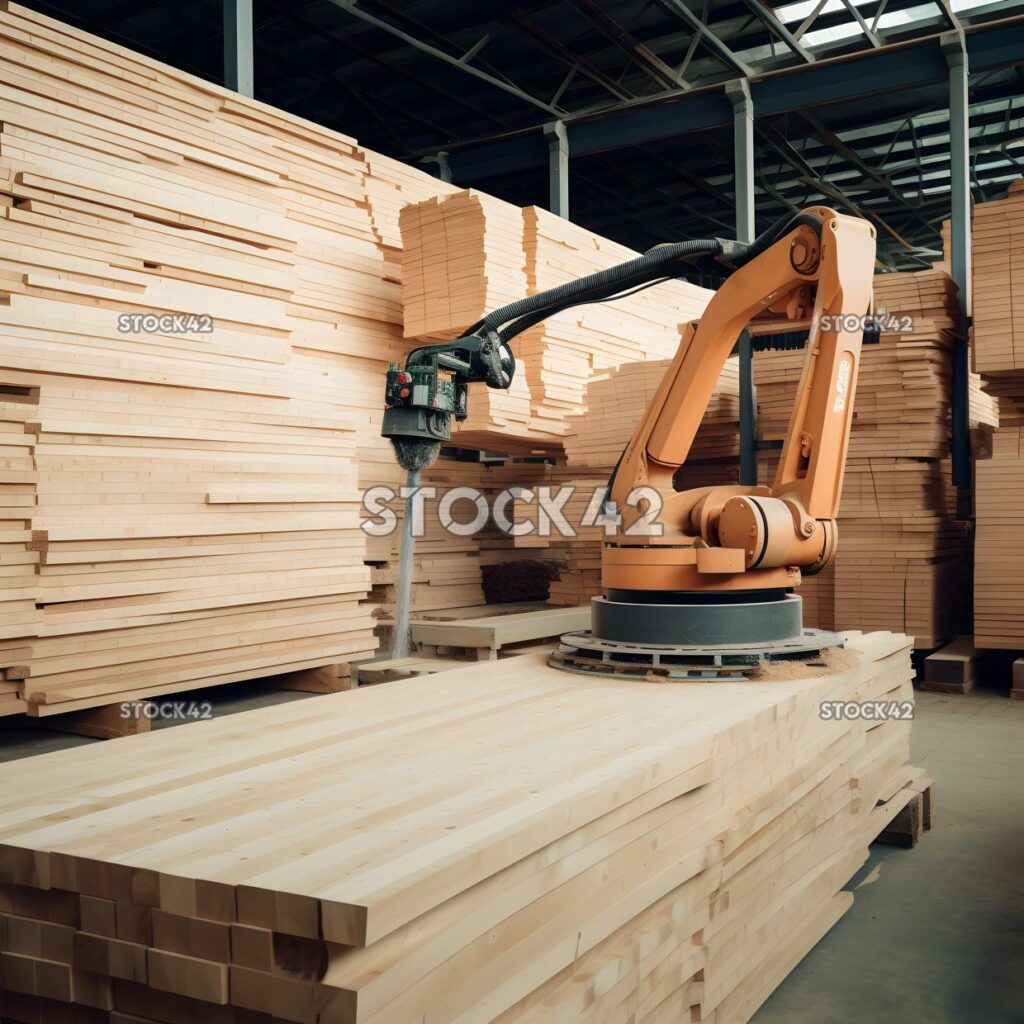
(902, 554)
(577, 541)
(602, 850)
(616, 400)
(467, 254)
(998, 351)
(185, 494)
(462, 254)
(997, 251)
(18, 613)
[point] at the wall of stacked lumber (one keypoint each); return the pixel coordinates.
(903, 556)
(615, 402)
(180, 497)
(609, 858)
(467, 254)
(998, 352)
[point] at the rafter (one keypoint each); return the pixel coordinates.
(683, 13)
(771, 21)
(352, 7)
(644, 57)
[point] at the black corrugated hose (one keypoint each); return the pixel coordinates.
(658, 264)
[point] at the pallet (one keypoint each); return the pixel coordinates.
(916, 809)
(486, 635)
(481, 611)
(387, 670)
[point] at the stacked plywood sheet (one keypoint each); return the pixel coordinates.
(467, 254)
(200, 295)
(902, 406)
(999, 529)
(462, 254)
(902, 554)
(997, 253)
(575, 537)
(998, 350)
(616, 400)
(585, 850)
(18, 612)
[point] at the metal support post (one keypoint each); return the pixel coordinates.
(743, 147)
(238, 65)
(955, 50)
(558, 168)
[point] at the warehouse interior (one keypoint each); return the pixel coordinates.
(511, 513)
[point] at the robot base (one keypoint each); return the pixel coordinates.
(690, 636)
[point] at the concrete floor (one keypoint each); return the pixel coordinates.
(936, 933)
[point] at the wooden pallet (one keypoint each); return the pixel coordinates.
(486, 635)
(908, 814)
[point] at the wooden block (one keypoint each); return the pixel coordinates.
(326, 679)
(952, 669)
(906, 828)
(1017, 685)
(203, 980)
(102, 723)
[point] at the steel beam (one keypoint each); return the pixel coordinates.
(894, 68)
(776, 27)
(955, 49)
(238, 64)
(558, 168)
(743, 157)
(707, 35)
(353, 8)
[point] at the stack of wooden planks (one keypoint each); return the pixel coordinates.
(600, 850)
(616, 400)
(461, 255)
(998, 351)
(18, 613)
(199, 295)
(467, 254)
(902, 558)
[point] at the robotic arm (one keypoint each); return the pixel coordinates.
(818, 264)
(753, 537)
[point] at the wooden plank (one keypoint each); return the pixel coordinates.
(524, 844)
(493, 632)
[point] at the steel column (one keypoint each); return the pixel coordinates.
(743, 147)
(558, 168)
(238, 65)
(955, 50)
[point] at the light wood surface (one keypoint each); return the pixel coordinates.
(180, 507)
(998, 351)
(522, 845)
(467, 254)
(903, 556)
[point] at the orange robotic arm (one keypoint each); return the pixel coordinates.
(748, 537)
